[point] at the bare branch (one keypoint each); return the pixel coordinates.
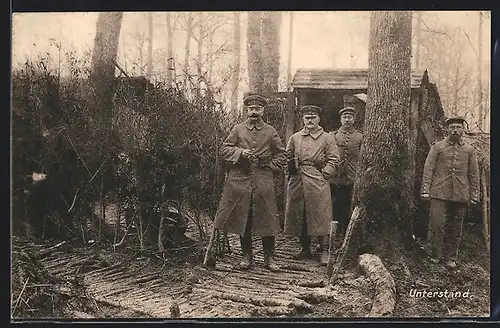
(470, 42)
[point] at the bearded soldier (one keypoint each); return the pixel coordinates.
(312, 159)
(451, 182)
(348, 141)
(253, 150)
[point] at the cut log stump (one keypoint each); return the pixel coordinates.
(384, 298)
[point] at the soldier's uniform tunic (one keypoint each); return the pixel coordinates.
(451, 178)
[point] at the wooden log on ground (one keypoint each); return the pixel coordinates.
(384, 298)
(298, 304)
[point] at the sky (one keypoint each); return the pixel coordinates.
(320, 39)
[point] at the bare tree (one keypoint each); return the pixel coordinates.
(189, 30)
(382, 188)
(418, 33)
(102, 79)
(236, 61)
(271, 24)
(290, 48)
(149, 67)
(254, 52)
(200, 48)
(480, 118)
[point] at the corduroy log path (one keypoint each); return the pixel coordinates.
(224, 292)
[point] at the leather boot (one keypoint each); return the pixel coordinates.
(246, 248)
(268, 246)
(323, 243)
(305, 250)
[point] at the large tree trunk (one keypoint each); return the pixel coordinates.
(290, 48)
(149, 67)
(102, 79)
(417, 47)
(236, 62)
(254, 52)
(382, 188)
(271, 24)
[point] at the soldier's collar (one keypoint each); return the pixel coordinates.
(314, 134)
(259, 125)
(347, 130)
(451, 142)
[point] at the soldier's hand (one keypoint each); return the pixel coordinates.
(424, 196)
(247, 153)
(474, 202)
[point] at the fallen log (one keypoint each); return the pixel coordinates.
(384, 298)
(313, 283)
(298, 304)
(48, 251)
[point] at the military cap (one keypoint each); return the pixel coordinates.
(255, 101)
(350, 110)
(455, 119)
(311, 110)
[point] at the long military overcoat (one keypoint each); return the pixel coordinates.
(248, 183)
(316, 159)
(451, 172)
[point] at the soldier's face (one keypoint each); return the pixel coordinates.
(254, 113)
(311, 121)
(456, 130)
(347, 120)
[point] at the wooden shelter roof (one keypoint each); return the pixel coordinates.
(341, 79)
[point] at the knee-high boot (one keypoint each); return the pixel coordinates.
(268, 246)
(246, 248)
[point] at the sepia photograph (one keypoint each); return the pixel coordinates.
(250, 165)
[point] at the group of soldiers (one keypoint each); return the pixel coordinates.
(320, 169)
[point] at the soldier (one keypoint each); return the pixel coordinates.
(312, 160)
(253, 150)
(348, 141)
(451, 181)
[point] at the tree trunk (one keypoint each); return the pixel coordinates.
(149, 67)
(170, 59)
(290, 48)
(102, 78)
(236, 62)
(457, 79)
(419, 41)
(382, 188)
(271, 24)
(254, 52)
(188, 48)
(480, 118)
(200, 50)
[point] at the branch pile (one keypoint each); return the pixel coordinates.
(38, 294)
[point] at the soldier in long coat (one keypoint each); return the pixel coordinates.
(348, 141)
(312, 159)
(253, 150)
(451, 182)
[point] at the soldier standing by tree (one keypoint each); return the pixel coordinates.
(348, 141)
(253, 150)
(451, 181)
(312, 159)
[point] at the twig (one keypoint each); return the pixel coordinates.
(95, 174)
(19, 297)
(78, 154)
(74, 200)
